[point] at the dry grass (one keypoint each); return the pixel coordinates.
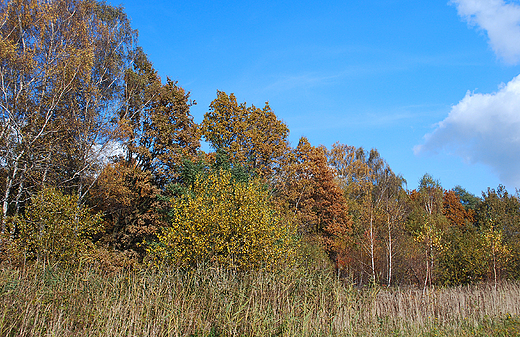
(212, 302)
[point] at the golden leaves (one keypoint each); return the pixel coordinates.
(56, 228)
(251, 136)
(225, 222)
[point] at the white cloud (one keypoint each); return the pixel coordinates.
(500, 20)
(483, 128)
(105, 153)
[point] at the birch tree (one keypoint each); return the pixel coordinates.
(426, 222)
(61, 70)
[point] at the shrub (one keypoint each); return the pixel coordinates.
(222, 220)
(56, 227)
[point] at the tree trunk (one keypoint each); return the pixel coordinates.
(372, 259)
(495, 265)
(20, 189)
(426, 277)
(390, 252)
(8, 187)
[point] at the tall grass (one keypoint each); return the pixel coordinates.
(207, 301)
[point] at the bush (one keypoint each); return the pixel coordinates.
(462, 255)
(222, 220)
(56, 228)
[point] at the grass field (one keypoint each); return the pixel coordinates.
(37, 301)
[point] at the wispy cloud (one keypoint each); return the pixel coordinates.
(499, 20)
(483, 128)
(302, 80)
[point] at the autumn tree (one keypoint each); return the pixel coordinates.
(394, 210)
(498, 216)
(307, 188)
(296, 186)
(156, 133)
(455, 211)
(56, 229)
(156, 127)
(353, 174)
(62, 64)
(353, 177)
(373, 193)
(462, 246)
(251, 136)
(373, 215)
(128, 198)
(426, 223)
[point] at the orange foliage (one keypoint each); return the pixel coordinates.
(127, 197)
(250, 136)
(454, 211)
(310, 192)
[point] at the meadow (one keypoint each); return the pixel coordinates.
(296, 301)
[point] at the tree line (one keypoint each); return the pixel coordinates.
(100, 160)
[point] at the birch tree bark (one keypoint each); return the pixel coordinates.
(61, 72)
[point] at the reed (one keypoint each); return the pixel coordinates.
(297, 301)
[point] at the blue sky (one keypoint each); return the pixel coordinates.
(432, 85)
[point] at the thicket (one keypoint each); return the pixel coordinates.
(100, 163)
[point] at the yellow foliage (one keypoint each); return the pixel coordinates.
(56, 228)
(225, 222)
(497, 249)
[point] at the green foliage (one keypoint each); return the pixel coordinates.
(462, 257)
(498, 216)
(224, 221)
(468, 200)
(199, 168)
(55, 228)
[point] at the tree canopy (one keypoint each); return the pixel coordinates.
(99, 154)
